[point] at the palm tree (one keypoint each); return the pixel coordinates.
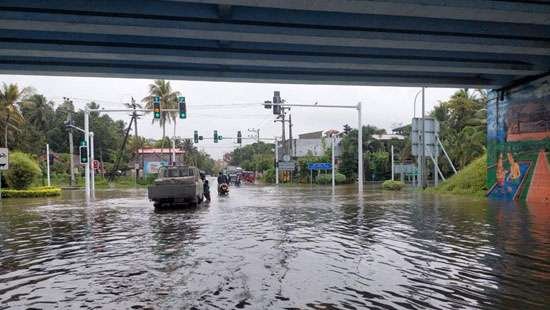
(38, 111)
(10, 95)
(168, 100)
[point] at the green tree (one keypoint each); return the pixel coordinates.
(10, 95)
(23, 171)
(463, 126)
(348, 145)
(168, 100)
(257, 156)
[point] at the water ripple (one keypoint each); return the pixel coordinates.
(280, 248)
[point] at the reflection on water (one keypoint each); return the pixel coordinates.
(264, 247)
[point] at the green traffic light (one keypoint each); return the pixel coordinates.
(157, 115)
(183, 115)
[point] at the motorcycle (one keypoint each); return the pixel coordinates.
(223, 190)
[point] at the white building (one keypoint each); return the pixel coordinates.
(313, 143)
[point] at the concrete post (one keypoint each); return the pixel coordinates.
(333, 164)
(423, 170)
(392, 168)
(359, 149)
(48, 163)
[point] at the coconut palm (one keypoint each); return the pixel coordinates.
(168, 100)
(38, 111)
(10, 95)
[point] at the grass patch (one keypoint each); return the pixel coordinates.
(33, 192)
(393, 185)
(469, 181)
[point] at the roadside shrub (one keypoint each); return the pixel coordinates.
(31, 192)
(22, 171)
(269, 176)
(148, 180)
(393, 185)
(469, 181)
(327, 179)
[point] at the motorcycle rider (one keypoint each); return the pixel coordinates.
(222, 183)
(222, 179)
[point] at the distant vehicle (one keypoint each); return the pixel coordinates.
(177, 184)
(248, 177)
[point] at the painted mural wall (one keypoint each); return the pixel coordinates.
(518, 134)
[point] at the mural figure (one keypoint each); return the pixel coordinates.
(518, 143)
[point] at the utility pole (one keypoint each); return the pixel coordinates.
(138, 142)
(283, 133)
(290, 133)
(71, 147)
(276, 162)
(256, 134)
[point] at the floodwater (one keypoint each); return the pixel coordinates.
(275, 248)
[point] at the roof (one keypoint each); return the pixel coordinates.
(388, 137)
(159, 151)
(311, 135)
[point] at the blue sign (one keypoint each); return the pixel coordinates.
(319, 166)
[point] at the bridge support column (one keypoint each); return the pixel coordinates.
(518, 142)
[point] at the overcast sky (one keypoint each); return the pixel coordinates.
(229, 107)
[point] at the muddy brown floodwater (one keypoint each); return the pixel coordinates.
(275, 248)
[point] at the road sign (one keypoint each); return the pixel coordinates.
(96, 164)
(432, 130)
(319, 166)
(287, 165)
(4, 156)
(286, 157)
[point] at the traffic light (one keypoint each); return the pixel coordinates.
(83, 152)
(196, 136)
(215, 136)
(182, 107)
(239, 137)
(156, 107)
(276, 102)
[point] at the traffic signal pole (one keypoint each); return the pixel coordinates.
(87, 139)
(359, 108)
(89, 183)
(91, 162)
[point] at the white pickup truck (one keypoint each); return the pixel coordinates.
(177, 184)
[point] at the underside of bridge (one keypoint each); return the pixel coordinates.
(456, 43)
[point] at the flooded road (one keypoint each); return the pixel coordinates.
(275, 248)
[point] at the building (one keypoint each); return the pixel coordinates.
(151, 159)
(311, 143)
